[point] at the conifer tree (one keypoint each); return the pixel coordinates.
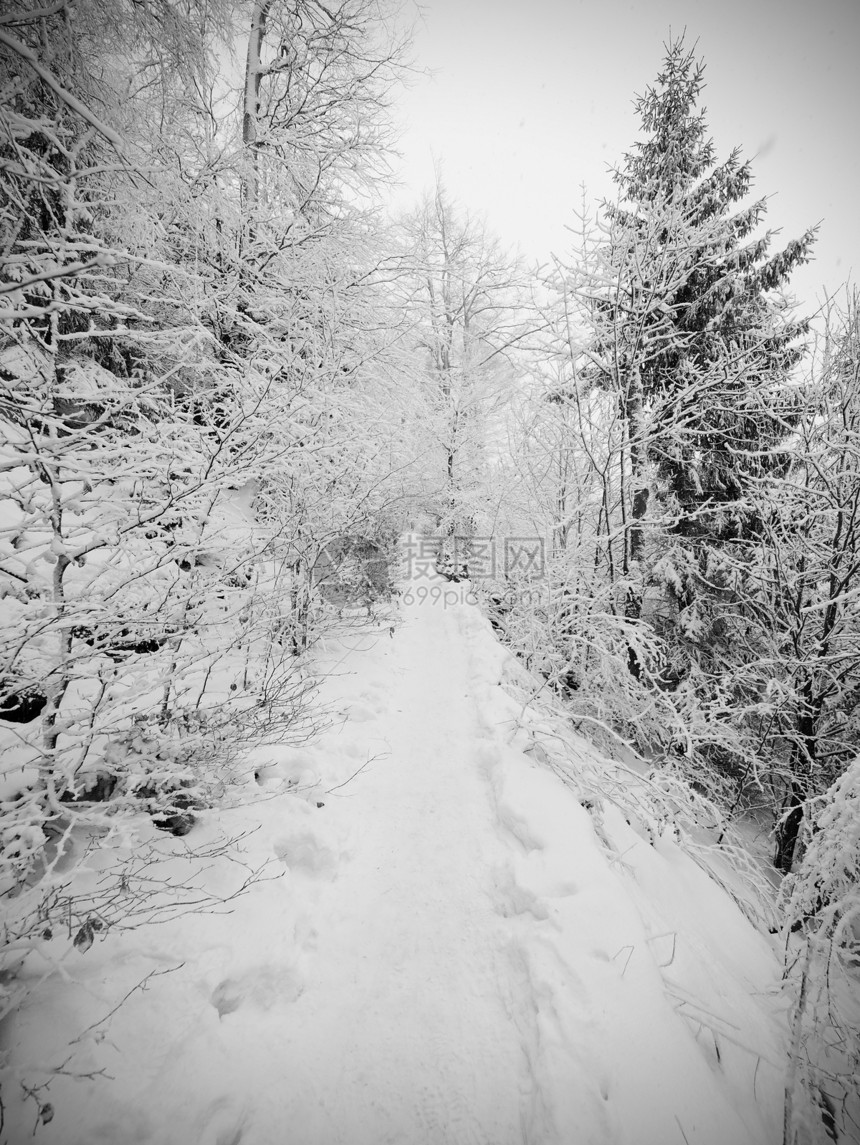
(694, 335)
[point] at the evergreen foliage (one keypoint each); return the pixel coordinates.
(693, 334)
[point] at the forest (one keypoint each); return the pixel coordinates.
(230, 382)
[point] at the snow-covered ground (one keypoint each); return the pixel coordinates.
(445, 946)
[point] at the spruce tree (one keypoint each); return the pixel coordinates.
(693, 333)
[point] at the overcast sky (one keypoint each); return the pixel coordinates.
(529, 99)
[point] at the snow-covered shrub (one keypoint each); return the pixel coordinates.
(823, 895)
(354, 570)
(821, 903)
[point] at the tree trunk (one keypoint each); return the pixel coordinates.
(634, 410)
(253, 79)
(788, 829)
(635, 416)
(803, 766)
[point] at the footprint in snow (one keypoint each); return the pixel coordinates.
(513, 900)
(360, 714)
(302, 851)
(373, 691)
(519, 826)
(224, 1124)
(260, 986)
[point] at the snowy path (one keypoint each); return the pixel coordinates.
(408, 1005)
(450, 958)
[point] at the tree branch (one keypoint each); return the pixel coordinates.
(54, 84)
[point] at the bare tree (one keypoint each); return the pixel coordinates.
(464, 298)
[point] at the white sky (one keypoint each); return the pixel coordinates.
(529, 99)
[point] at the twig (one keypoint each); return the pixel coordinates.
(366, 763)
(140, 986)
(630, 948)
(668, 934)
